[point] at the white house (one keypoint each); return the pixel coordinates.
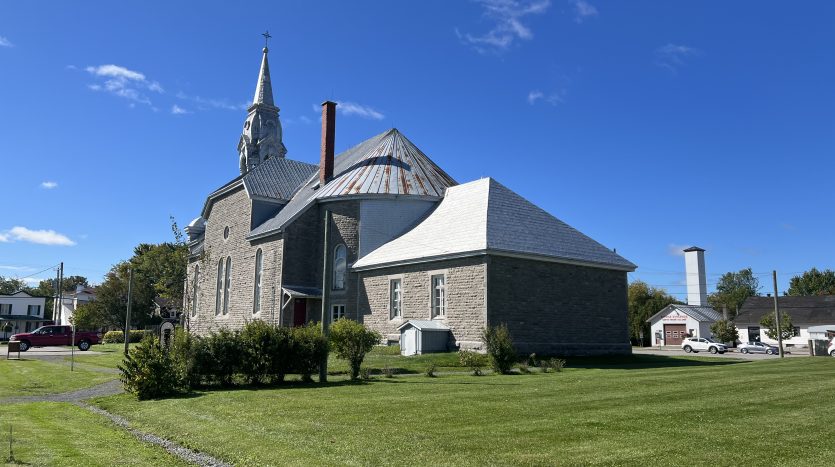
(805, 313)
(72, 301)
(20, 312)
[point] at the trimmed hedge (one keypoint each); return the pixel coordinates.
(118, 337)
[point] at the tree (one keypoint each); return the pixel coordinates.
(733, 289)
(10, 285)
(351, 341)
(643, 302)
(110, 306)
(724, 331)
(90, 316)
(786, 327)
(813, 282)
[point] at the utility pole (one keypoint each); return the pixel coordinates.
(777, 317)
(326, 295)
(60, 293)
(127, 317)
(56, 307)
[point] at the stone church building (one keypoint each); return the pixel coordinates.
(404, 241)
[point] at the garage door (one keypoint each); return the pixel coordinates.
(674, 334)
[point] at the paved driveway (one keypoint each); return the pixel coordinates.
(50, 352)
(732, 353)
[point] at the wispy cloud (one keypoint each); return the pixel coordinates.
(583, 10)
(16, 268)
(123, 82)
(304, 119)
(507, 17)
(41, 237)
(552, 98)
(675, 249)
(204, 103)
(49, 185)
(5, 42)
(177, 110)
(672, 57)
(351, 109)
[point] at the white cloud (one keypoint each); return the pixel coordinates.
(5, 42)
(552, 98)
(41, 237)
(583, 10)
(352, 108)
(49, 185)
(177, 110)
(123, 82)
(534, 96)
(16, 268)
(205, 103)
(507, 17)
(677, 250)
(672, 56)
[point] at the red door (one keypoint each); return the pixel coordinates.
(299, 311)
(674, 334)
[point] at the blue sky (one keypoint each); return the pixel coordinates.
(648, 125)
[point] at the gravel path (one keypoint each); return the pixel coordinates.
(197, 458)
(105, 389)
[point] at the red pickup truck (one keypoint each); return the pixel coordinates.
(56, 335)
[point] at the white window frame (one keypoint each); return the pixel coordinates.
(437, 310)
(396, 297)
(219, 291)
(340, 284)
(337, 311)
(259, 273)
(227, 285)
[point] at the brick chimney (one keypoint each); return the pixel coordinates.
(328, 135)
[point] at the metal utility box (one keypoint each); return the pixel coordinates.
(423, 336)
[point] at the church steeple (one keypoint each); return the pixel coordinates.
(261, 137)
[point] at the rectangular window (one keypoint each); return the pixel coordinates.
(5, 308)
(34, 310)
(256, 300)
(438, 295)
(337, 311)
(395, 298)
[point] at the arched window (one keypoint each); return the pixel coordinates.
(219, 293)
(259, 262)
(228, 284)
(195, 291)
(339, 266)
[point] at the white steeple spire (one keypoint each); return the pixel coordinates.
(261, 138)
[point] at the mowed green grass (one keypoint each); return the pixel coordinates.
(643, 410)
(62, 434)
(36, 377)
(111, 355)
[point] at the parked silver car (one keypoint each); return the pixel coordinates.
(758, 347)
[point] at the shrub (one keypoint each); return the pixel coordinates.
(183, 358)
(351, 341)
(147, 371)
(431, 369)
(524, 368)
(309, 348)
(532, 359)
(221, 357)
(472, 360)
(556, 364)
(500, 348)
(118, 337)
(265, 351)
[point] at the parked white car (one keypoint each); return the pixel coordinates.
(697, 344)
(831, 349)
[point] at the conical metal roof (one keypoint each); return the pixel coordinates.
(264, 89)
(392, 166)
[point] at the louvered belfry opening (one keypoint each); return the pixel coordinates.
(328, 137)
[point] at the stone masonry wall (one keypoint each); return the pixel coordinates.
(553, 308)
(233, 210)
(465, 290)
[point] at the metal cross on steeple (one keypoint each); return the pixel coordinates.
(267, 37)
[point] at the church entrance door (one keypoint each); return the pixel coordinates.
(299, 312)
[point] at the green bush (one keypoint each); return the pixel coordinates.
(472, 360)
(430, 370)
(309, 348)
(499, 346)
(265, 350)
(221, 356)
(351, 341)
(556, 364)
(183, 353)
(148, 372)
(118, 337)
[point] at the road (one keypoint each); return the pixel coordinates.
(672, 352)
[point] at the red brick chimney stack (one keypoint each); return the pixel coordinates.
(328, 136)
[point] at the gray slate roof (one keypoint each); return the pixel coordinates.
(809, 310)
(277, 178)
(484, 216)
(353, 171)
(697, 312)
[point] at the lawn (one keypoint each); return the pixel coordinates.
(32, 377)
(640, 410)
(111, 355)
(60, 434)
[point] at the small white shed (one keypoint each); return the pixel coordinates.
(423, 336)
